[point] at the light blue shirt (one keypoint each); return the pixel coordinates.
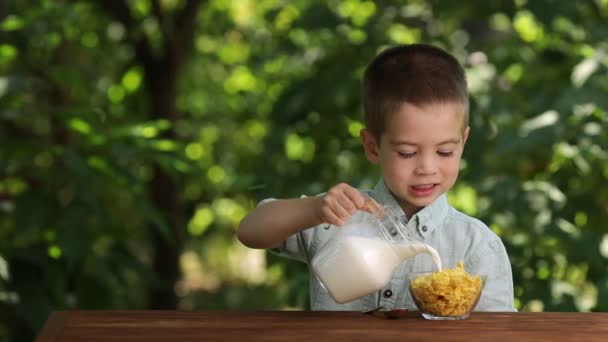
(456, 236)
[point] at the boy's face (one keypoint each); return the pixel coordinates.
(419, 152)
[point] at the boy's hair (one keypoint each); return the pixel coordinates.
(417, 74)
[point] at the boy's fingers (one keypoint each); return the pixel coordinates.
(331, 218)
(355, 196)
(371, 205)
(341, 212)
(375, 205)
(347, 204)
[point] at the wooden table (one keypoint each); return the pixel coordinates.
(317, 326)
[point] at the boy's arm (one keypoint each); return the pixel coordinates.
(493, 262)
(271, 223)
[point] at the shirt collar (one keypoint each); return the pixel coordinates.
(425, 221)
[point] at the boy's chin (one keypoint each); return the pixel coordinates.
(421, 201)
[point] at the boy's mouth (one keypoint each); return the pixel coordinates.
(422, 190)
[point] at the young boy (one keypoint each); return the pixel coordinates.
(416, 115)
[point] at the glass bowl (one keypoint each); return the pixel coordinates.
(445, 299)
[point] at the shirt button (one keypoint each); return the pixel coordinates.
(388, 293)
(424, 228)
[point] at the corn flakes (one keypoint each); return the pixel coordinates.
(450, 292)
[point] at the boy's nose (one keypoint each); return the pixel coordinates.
(426, 166)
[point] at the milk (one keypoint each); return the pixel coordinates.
(352, 266)
(408, 249)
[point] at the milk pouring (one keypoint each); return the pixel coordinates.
(360, 258)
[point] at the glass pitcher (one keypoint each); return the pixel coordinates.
(360, 258)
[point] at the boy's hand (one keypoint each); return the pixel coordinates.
(341, 202)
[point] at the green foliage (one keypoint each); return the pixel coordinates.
(268, 105)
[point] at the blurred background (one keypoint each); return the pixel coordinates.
(136, 134)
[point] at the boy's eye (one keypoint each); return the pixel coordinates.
(406, 154)
(445, 154)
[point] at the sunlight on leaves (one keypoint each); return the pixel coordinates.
(195, 276)
(142, 8)
(592, 128)
(514, 72)
(4, 274)
(587, 297)
(358, 11)
(228, 210)
(115, 31)
(242, 11)
(604, 246)
(202, 219)
(496, 229)
(302, 38)
(550, 190)
(216, 174)
(15, 186)
(44, 159)
(209, 134)
(150, 129)
(116, 93)
(542, 120)
(205, 44)
(234, 53)
(286, 17)
(582, 164)
(580, 218)
(131, 80)
(256, 129)
(542, 270)
(7, 53)
(574, 284)
(97, 163)
(464, 197)
(480, 73)
(500, 22)
(354, 128)
(54, 252)
(517, 304)
(356, 36)
(400, 34)
(4, 84)
(583, 71)
(165, 145)
(194, 151)
(241, 79)
(528, 28)
(248, 264)
(344, 160)
(566, 26)
(80, 126)
(568, 228)
(11, 23)
(299, 148)
(169, 5)
(534, 305)
(145, 131)
(89, 40)
(520, 239)
(562, 154)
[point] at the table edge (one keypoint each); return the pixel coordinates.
(53, 327)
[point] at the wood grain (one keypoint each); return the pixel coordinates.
(53, 327)
(317, 326)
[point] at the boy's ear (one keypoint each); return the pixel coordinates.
(371, 146)
(465, 135)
